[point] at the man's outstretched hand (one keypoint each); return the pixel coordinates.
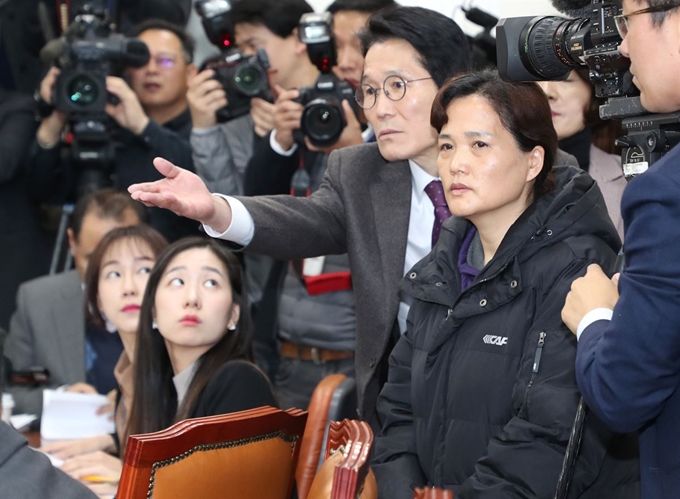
(185, 194)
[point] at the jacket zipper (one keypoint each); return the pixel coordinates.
(535, 368)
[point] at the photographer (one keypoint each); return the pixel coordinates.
(23, 250)
(221, 151)
(629, 336)
(152, 116)
(22, 37)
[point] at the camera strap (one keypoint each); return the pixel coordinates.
(310, 270)
(63, 11)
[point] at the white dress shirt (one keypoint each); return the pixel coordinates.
(419, 240)
(598, 314)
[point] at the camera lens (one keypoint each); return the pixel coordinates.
(82, 90)
(322, 122)
(250, 79)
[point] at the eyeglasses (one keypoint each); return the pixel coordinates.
(394, 88)
(621, 20)
(165, 61)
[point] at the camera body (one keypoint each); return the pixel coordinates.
(323, 118)
(243, 78)
(87, 53)
(549, 48)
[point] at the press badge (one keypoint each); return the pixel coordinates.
(312, 267)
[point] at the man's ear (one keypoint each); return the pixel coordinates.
(191, 71)
(300, 47)
(71, 240)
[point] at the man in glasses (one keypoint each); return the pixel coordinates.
(376, 200)
(627, 364)
(152, 119)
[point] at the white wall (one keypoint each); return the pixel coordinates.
(499, 8)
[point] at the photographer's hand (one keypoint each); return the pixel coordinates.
(205, 96)
(49, 132)
(594, 290)
(262, 113)
(351, 135)
(185, 194)
(128, 113)
(287, 114)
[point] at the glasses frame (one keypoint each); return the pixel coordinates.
(377, 90)
(622, 19)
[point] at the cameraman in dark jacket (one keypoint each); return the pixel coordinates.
(152, 119)
(481, 395)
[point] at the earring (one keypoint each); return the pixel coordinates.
(231, 327)
(154, 325)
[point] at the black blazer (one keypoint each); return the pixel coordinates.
(23, 252)
(236, 386)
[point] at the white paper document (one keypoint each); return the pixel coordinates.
(68, 416)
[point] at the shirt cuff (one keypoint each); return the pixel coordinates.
(276, 147)
(599, 314)
(242, 227)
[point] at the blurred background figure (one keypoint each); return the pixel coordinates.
(581, 133)
(24, 252)
(48, 328)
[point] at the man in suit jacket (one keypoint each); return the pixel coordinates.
(48, 328)
(628, 359)
(372, 203)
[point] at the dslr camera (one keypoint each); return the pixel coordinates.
(87, 53)
(323, 118)
(549, 47)
(241, 76)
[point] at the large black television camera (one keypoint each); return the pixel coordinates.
(323, 118)
(550, 47)
(87, 53)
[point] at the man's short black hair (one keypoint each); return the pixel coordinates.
(108, 204)
(366, 6)
(442, 45)
(280, 17)
(188, 42)
(659, 17)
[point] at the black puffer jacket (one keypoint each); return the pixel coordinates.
(481, 394)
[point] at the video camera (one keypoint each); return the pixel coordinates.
(549, 47)
(242, 77)
(323, 118)
(87, 53)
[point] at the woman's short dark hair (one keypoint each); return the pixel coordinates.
(137, 234)
(522, 108)
(154, 405)
(441, 44)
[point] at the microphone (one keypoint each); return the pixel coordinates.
(573, 8)
(52, 50)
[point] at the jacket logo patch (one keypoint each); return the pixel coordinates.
(495, 340)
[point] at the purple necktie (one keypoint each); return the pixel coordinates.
(441, 210)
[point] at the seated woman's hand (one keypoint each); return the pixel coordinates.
(65, 449)
(81, 388)
(103, 466)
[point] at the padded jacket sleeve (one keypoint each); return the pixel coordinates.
(395, 461)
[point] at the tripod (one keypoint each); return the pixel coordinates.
(66, 212)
